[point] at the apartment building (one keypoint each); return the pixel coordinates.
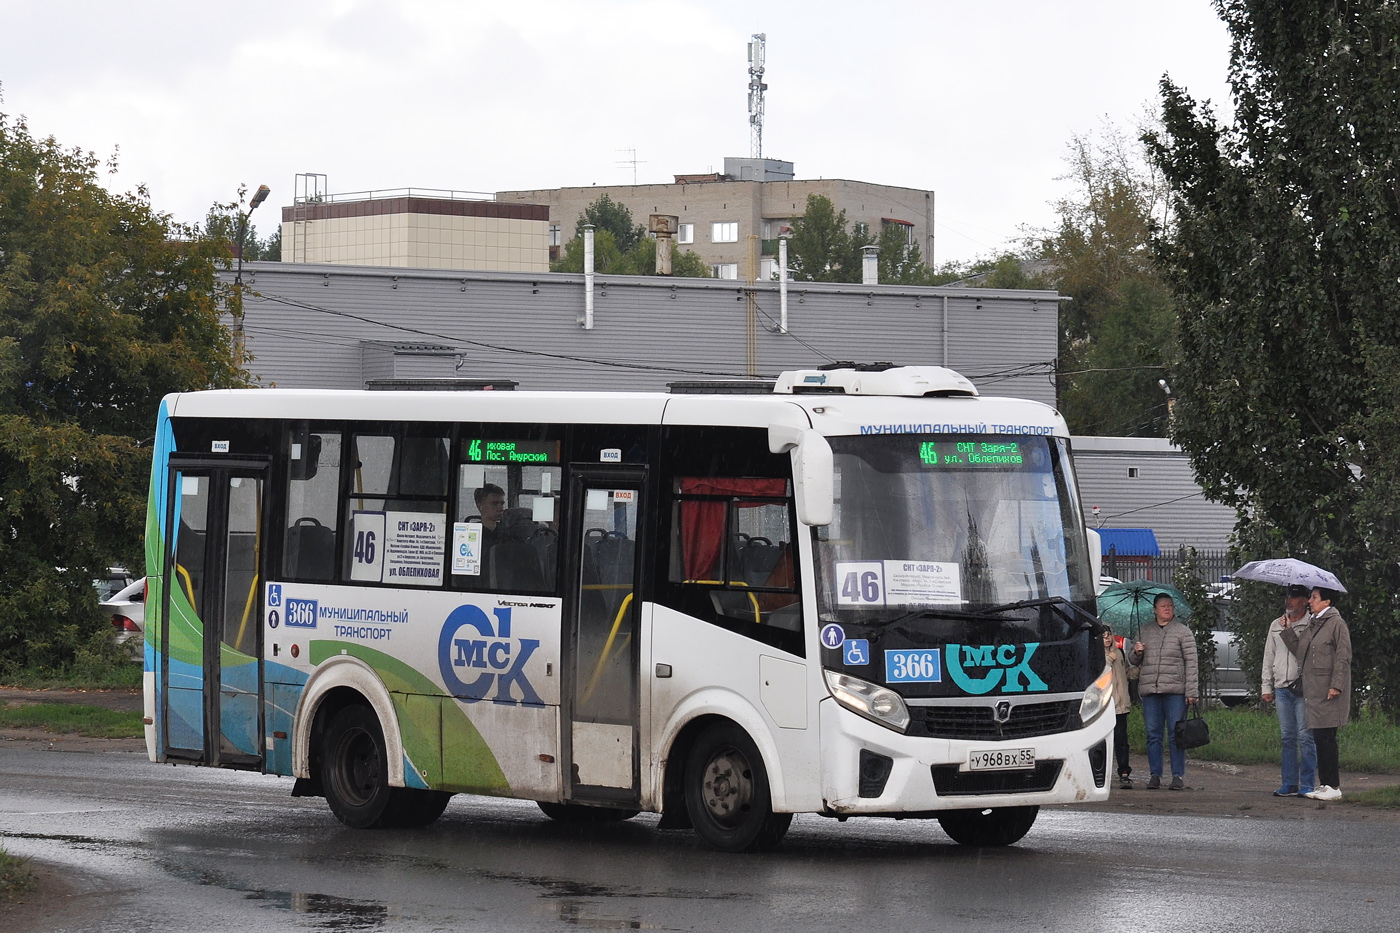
(719, 212)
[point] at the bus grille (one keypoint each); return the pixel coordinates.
(976, 722)
(948, 781)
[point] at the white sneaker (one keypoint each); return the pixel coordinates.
(1323, 792)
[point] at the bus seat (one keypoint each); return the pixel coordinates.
(758, 560)
(310, 550)
(514, 566)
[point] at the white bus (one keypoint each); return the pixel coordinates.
(861, 591)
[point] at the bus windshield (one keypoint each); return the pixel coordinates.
(952, 527)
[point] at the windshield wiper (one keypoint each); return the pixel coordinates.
(987, 616)
(1078, 617)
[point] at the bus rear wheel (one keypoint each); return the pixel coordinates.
(354, 769)
(413, 808)
(581, 813)
(727, 793)
(998, 826)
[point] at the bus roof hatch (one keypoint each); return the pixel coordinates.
(907, 381)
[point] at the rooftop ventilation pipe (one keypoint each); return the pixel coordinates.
(587, 321)
(782, 284)
(870, 265)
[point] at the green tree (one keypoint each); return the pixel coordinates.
(820, 248)
(1284, 257)
(104, 307)
(607, 214)
(1117, 329)
(610, 257)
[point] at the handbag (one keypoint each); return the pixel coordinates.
(1193, 731)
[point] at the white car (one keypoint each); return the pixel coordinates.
(128, 609)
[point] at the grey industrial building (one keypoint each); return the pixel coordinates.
(341, 326)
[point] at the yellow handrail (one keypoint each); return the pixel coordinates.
(757, 619)
(603, 657)
(189, 586)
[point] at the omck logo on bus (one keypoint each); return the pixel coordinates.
(979, 669)
(477, 656)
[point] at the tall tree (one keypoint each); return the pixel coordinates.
(1285, 260)
(104, 307)
(821, 249)
(1116, 331)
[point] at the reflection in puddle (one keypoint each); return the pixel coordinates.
(332, 913)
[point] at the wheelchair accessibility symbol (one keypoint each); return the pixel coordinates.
(857, 651)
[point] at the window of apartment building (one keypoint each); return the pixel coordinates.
(554, 235)
(685, 233)
(726, 270)
(724, 232)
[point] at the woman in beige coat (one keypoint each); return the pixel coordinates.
(1323, 650)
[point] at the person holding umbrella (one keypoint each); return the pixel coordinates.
(1323, 650)
(1280, 682)
(1167, 682)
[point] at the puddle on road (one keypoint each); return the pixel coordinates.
(331, 913)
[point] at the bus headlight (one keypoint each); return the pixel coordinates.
(1097, 697)
(872, 701)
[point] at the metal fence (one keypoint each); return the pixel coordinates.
(1211, 566)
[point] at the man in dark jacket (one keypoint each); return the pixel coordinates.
(1166, 655)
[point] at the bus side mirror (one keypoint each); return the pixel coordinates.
(812, 470)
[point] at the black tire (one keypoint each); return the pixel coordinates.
(1000, 826)
(354, 770)
(727, 793)
(580, 813)
(412, 808)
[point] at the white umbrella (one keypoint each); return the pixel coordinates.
(1286, 571)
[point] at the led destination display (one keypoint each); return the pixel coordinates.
(481, 450)
(971, 455)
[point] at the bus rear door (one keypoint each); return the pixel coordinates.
(211, 619)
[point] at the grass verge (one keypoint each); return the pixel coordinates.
(1369, 744)
(15, 876)
(1387, 798)
(117, 675)
(71, 718)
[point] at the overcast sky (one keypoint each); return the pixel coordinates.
(975, 101)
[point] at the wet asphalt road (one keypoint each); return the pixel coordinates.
(148, 847)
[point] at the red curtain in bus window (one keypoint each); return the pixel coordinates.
(702, 523)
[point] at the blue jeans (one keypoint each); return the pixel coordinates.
(1297, 739)
(1163, 711)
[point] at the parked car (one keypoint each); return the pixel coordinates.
(1230, 685)
(128, 609)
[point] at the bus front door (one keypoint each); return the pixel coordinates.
(601, 728)
(211, 614)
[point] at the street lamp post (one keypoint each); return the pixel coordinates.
(259, 196)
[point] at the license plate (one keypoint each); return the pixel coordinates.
(1002, 759)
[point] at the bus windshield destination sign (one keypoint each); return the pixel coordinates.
(994, 454)
(486, 451)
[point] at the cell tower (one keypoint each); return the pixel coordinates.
(756, 89)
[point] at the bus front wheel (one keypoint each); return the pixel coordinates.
(997, 826)
(727, 792)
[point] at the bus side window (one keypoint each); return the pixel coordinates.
(518, 509)
(313, 481)
(737, 547)
(396, 510)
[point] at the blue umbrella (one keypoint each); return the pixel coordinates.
(1288, 571)
(1126, 607)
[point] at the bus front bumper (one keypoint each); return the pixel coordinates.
(925, 775)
